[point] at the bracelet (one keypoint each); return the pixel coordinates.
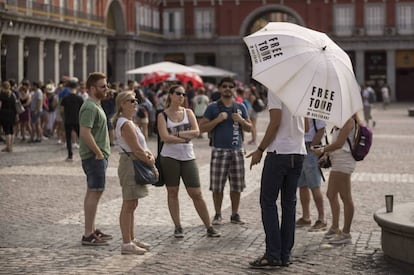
(260, 149)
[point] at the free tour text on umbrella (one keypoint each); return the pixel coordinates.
(321, 99)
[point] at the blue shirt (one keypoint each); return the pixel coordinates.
(227, 134)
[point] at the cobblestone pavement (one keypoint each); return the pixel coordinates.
(41, 217)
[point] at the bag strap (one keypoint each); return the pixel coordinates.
(355, 135)
(160, 143)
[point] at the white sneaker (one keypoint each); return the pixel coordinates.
(141, 244)
(342, 238)
(332, 233)
(131, 248)
(75, 145)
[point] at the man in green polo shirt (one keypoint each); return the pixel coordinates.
(94, 150)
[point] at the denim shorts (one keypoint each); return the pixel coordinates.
(95, 170)
(310, 175)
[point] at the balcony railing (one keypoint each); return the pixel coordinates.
(33, 8)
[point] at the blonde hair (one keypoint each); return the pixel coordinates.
(121, 98)
(6, 88)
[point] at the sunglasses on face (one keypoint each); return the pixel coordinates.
(133, 100)
(225, 86)
(180, 93)
(103, 86)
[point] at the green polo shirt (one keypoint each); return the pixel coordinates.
(92, 115)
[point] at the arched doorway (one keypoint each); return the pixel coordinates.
(115, 26)
(258, 18)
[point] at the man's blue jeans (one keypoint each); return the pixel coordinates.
(280, 175)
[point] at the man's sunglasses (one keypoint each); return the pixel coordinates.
(225, 86)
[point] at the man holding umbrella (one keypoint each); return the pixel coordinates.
(284, 140)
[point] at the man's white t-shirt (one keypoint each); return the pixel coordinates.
(290, 137)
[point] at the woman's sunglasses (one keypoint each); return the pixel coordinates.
(180, 94)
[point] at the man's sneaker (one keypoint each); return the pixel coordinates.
(235, 218)
(141, 244)
(211, 232)
(302, 222)
(93, 240)
(332, 233)
(265, 263)
(342, 238)
(178, 232)
(103, 236)
(318, 226)
(68, 159)
(131, 248)
(217, 219)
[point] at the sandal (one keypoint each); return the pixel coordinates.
(263, 262)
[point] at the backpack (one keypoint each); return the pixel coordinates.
(363, 142)
(258, 105)
(221, 107)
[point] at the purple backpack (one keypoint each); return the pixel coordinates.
(363, 142)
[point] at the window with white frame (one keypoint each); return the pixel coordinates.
(374, 18)
(148, 15)
(405, 18)
(344, 19)
(204, 22)
(173, 22)
(155, 19)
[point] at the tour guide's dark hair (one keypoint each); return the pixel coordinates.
(226, 79)
(93, 78)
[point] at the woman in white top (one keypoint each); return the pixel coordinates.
(339, 184)
(131, 139)
(178, 159)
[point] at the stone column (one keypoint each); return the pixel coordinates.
(41, 50)
(20, 58)
(70, 59)
(56, 58)
(360, 66)
(84, 66)
(103, 64)
(391, 77)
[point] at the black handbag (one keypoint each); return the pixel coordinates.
(144, 174)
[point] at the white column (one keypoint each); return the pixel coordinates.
(41, 60)
(391, 78)
(20, 58)
(57, 62)
(360, 66)
(84, 65)
(103, 68)
(70, 59)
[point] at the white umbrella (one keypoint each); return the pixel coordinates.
(310, 73)
(166, 67)
(212, 71)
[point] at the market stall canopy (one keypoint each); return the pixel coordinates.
(210, 71)
(166, 67)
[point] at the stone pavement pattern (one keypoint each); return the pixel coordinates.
(41, 217)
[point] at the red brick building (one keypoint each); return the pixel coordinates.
(74, 37)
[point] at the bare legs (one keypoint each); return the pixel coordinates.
(339, 186)
(198, 201)
(234, 198)
(90, 208)
(126, 220)
(304, 195)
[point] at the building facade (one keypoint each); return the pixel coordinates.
(47, 39)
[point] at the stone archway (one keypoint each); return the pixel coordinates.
(116, 26)
(258, 18)
(115, 21)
